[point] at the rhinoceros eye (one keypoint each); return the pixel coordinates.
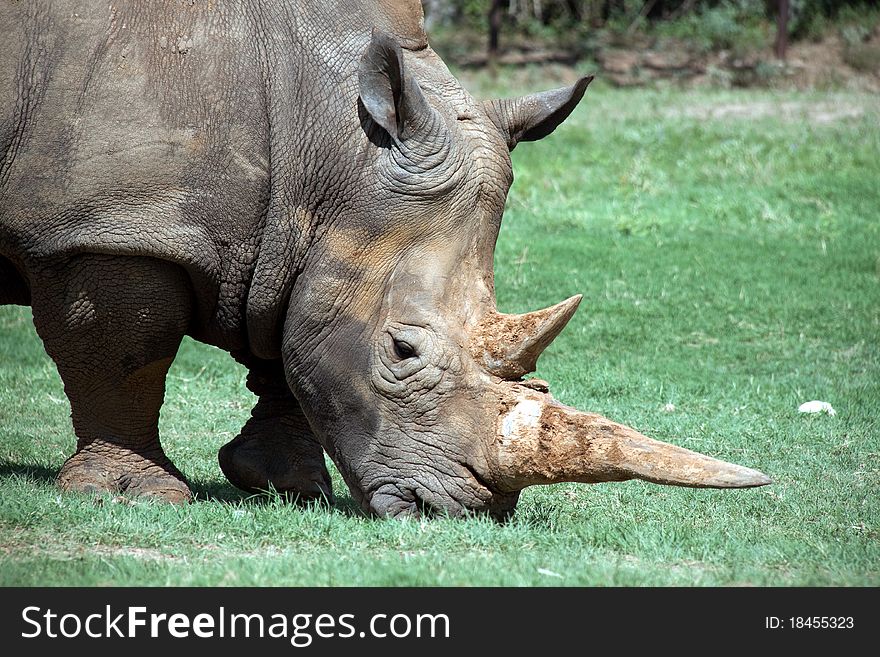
(407, 352)
(403, 349)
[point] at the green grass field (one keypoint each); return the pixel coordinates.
(728, 248)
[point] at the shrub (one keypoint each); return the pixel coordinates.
(863, 57)
(736, 25)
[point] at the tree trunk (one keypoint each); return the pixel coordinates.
(494, 28)
(782, 29)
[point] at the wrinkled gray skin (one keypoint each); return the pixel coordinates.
(304, 185)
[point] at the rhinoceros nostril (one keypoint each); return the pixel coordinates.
(477, 476)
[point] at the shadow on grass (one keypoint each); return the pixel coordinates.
(208, 490)
(41, 474)
(343, 505)
(38, 474)
(215, 490)
(224, 492)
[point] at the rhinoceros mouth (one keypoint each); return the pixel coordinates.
(404, 501)
(411, 498)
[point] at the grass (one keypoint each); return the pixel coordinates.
(730, 261)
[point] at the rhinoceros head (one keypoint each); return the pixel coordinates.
(414, 382)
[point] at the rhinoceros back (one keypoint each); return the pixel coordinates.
(132, 127)
(172, 129)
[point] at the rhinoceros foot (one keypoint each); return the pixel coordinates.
(265, 457)
(105, 468)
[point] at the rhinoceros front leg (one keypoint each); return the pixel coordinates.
(113, 326)
(276, 448)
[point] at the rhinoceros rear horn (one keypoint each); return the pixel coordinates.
(533, 117)
(508, 346)
(394, 99)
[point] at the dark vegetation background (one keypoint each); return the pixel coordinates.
(802, 43)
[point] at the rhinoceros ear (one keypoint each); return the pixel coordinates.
(534, 117)
(391, 98)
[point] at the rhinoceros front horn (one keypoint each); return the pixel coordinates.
(540, 441)
(508, 346)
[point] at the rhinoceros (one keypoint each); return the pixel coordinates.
(304, 185)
